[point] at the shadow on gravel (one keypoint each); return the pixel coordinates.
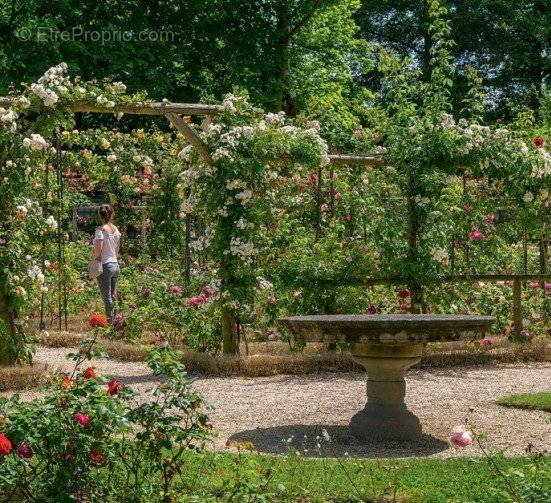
(139, 379)
(309, 441)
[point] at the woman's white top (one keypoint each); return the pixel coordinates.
(110, 246)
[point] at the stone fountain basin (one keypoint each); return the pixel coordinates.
(387, 328)
(386, 345)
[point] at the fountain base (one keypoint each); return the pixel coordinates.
(386, 416)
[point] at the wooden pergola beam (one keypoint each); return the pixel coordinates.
(156, 108)
(366, 160)
(190, 135)
(174, 111)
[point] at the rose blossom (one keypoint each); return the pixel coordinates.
(539, 141)
(5, 445)
(82, 419)
(487, 342)
(176, 289)
(403, 293)
(460, 437)
(24, 450)
(96, 456)
(476, 235)
(145, 293)
(372, 309)
(491, 218)
(273, 334)
(114, 387)
(89, 373)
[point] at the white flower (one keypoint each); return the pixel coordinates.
(264, 283)
(111, 158)
(184, 154)
(35, 142)
(20, 291)
(118, 87)
(24, 102)
(325, 435)
(528, 197)
(440, 255)
(235, 184)
(51, 223)
(244, 224)
(244, 196)
(21, 211)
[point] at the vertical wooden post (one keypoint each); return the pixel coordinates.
(187, 254)
(517, 307)
(318, 204)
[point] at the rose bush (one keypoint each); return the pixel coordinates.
(91, 438)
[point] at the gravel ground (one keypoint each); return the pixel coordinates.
(268, 410)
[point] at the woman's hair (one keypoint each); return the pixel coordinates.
(106, 213)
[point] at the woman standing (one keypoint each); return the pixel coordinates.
(107, 240)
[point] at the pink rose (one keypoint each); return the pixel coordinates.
(272, 300)
(82, 419)
(176, 289)
(487, 342)
(273, 335)
(460, 437)
(491, 218)
(476, 235)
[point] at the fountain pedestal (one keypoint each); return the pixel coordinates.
(386, 346)
(386, 414)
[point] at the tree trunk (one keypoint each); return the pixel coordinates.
(8, 333)
(230, 338)
(284, 96)
(417, 296)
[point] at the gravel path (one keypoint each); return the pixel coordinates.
(268, 410)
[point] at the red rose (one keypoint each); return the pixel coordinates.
(5, 445)
(89, 373)
(82, 419)
(24, 450)
(114, 387)
(372, 309)
(403, 293)
(96, 456)
(97, 320)
(539, 141)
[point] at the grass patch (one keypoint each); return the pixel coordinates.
(293, 478)
(537, 401)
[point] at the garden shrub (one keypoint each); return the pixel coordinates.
(91, 439)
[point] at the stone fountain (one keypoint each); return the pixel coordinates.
(386, 346)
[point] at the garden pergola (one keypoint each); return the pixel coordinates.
(178, 113)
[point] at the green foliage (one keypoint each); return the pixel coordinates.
(539, 400)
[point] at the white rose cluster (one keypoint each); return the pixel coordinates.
(104, 102)
(35, 142)
(241, 249)
(8, 118)
(51, 84)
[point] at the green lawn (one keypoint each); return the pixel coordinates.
(538, 401)
(347, 480)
